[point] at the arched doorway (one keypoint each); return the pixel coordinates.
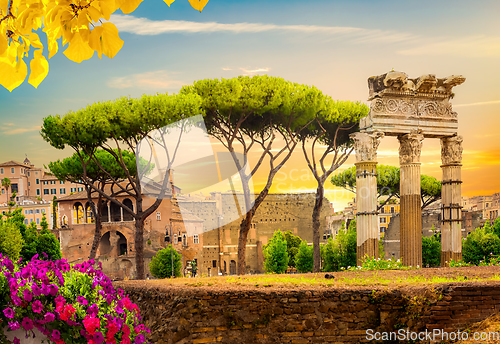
(232, 267)
(126, 215)
(78, 213)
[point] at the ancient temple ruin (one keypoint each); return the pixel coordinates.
(411, 109)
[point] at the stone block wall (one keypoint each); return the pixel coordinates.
(190, 314)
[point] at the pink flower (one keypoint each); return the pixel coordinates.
(9, 312)
(27, 323)
(37, 306)
(28, 296)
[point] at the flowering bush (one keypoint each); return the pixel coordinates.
(370, 263)
(68, 304)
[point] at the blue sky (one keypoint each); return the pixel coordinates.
(333, 45)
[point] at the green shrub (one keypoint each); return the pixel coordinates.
(275, 254)
(341, 252)
(292, 246)
(369, 264)
(11, 240)
(481, 245)
(47, 243)
(431, 251)
(304, 259)
(161, 264)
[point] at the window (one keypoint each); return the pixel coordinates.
(28, 174)
(22, 170)
(37, 181)
(158, 216)
(382, 210)
(25, 211)
(1, 170)
(52, 182)
(46, 191)
(25, 221)
(214, 263)
(37, 211)
(14, 188)
(53, 191)
(29, 183)
(382, 220)
(61, 182)
(31, 211)
(175, 239)
(80, 189)
(44, 182)
(392, 210)
(196, 239)
(37, 221)
(12, 170)
(179, 239)
(38, 192)
(184, 239)
(62, 191)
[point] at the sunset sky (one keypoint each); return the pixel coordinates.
(333, 45)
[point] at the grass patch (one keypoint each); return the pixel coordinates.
(317, 280)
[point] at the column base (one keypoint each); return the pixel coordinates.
(447, 256)
(368, 248)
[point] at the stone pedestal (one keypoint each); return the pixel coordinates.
(366, 194)
(451, 196)
(410, 209)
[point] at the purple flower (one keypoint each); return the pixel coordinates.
(56, 335)
(28, 296)
(35, 289)
(27, 323)
(53, 290)
(83, 301)
(37, 306)
(9, 312)
(93, 310)
(98, 338)
(140, 339)
(14, 325)
(16, 300)
(49, 317)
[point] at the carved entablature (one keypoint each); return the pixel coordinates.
(399, 104)
(451, 150)
(366, 145)
(410, 146)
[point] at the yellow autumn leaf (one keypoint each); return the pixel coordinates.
(4, 44)
(39, 68)
(78, 49)
(12, 74)
(111, 41)
(128, 6)
(4, 4)
(198, 4)
(169, 2)
(94, 14)
(95, 40)
(106, 7)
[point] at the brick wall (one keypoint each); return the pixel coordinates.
(270, 315)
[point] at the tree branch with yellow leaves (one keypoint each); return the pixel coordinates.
(77, 24)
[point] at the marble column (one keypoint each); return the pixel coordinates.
(366, 145)
(451, 196)
(411, 209)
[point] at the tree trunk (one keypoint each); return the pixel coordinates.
(316, 226)
(98, 225)
(139, 247)
(244, 228)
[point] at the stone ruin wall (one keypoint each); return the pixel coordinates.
(212, 315)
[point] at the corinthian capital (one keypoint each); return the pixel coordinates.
(410, 146)
(451, 150)
(366, 145)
